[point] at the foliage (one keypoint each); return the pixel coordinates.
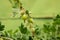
(57, 20)
(28, 30)
(37, 30)
(23, 29)
(24, 34)
(1, 27)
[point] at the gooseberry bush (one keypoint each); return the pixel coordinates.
(27, 29)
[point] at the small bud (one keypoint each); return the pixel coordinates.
(22, 12)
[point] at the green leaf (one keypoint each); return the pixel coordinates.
(6, 34)
(58, 16)
(59, 29)
(23, 29)
(10, 32)
(53, 29)
(10, 1)
(46, 28)
(37, 31)
(30, 38)
(24, 37)
(1, 27)
(15, 31)
(27, 12)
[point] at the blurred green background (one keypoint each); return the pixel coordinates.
(39, 8)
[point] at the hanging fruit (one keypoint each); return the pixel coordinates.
(30, 20)
(24, 17)
(33, 31)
